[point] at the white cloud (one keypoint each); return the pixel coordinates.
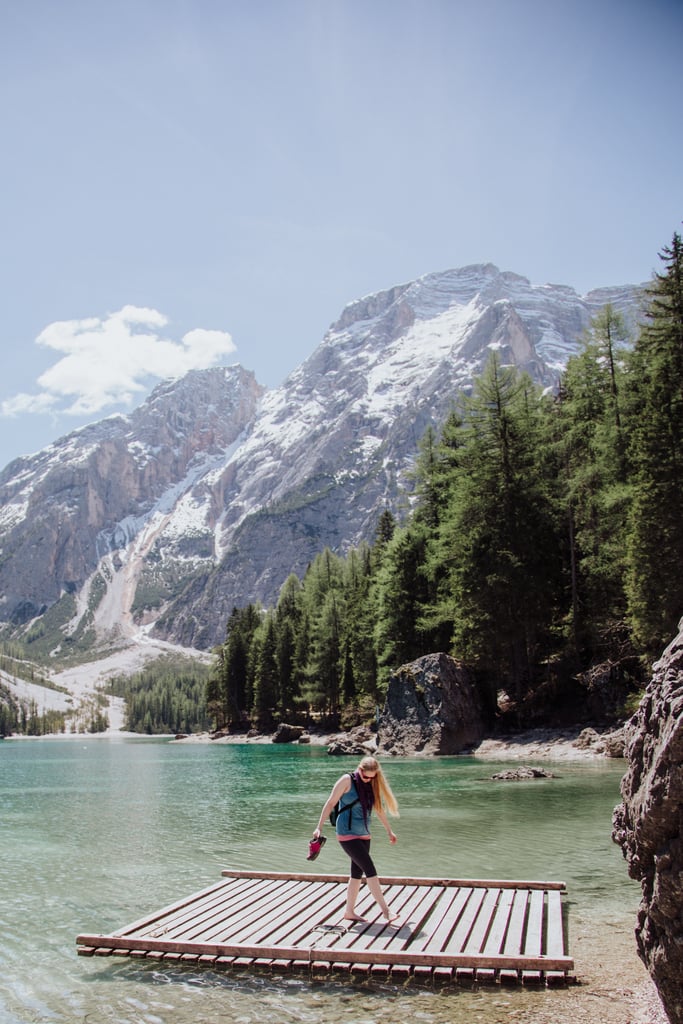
(109, 361)
(22, 403)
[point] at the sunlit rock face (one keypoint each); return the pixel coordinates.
(432, 707)
(648, 825)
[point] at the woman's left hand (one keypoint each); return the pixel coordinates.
(393, 838)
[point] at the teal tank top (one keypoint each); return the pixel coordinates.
(351, 822)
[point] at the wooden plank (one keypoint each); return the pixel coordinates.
(374, 931)
(420, 909)
(187, 919)
(533, 940)
(236, 920)
(498, 931)
(362, 956)
(555, 944)
(515, 932)
(480, 929)
(555, 925)
(178, 916)
(456, 942)
(255, 914)
(149, 918)
(380, 934)
(475, 883)
(434, 933)
(400, 973)
(191, 923)
(283, 907)
(295, 923)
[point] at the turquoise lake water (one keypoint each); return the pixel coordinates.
(95, 833)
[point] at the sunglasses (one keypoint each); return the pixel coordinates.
(366, 775)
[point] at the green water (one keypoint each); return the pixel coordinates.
(95, 833)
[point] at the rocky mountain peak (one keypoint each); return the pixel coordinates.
(215, 490)
(91, 492)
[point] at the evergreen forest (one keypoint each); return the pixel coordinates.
(542, 548)
(167, 696)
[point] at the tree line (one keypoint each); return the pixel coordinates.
(24, 717)
(167, 696)
(544, 538)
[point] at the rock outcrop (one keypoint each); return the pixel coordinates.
(356, 743)
(288, 733)
(648, 825)
(432, 707)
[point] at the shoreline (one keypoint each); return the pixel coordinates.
(582, 743)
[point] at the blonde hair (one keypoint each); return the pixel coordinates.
(384, 798)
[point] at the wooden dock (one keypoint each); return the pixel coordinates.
(451, 929)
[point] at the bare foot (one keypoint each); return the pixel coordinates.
(354, 917)
(394, 920)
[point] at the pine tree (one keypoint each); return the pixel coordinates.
(384, 532)
(235, 672)
(655, 540)
(288, 622)
(266, 677)
(325, 665)
(400, 597)
(360, 662)
(499, 539)
(588, 436)
(435, 468)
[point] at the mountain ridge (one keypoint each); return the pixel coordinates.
(215, 489)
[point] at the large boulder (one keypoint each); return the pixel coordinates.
(288, 733)
(432, 707)
(648, 825)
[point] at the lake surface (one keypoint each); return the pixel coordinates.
(95, 833)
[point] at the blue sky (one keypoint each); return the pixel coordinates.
(190, 182)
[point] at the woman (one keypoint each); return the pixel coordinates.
(359, 794)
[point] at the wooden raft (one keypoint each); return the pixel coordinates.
(451, 929)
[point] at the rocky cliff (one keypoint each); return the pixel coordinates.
(432, 707)
(88, 510)
(648, 825)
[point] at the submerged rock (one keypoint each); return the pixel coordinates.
(648, 825)
(432, 707)
(517, 774)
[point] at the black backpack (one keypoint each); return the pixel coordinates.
(336, 811)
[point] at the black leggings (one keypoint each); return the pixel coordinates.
(361, 861)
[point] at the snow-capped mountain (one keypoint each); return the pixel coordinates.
(214, 490)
